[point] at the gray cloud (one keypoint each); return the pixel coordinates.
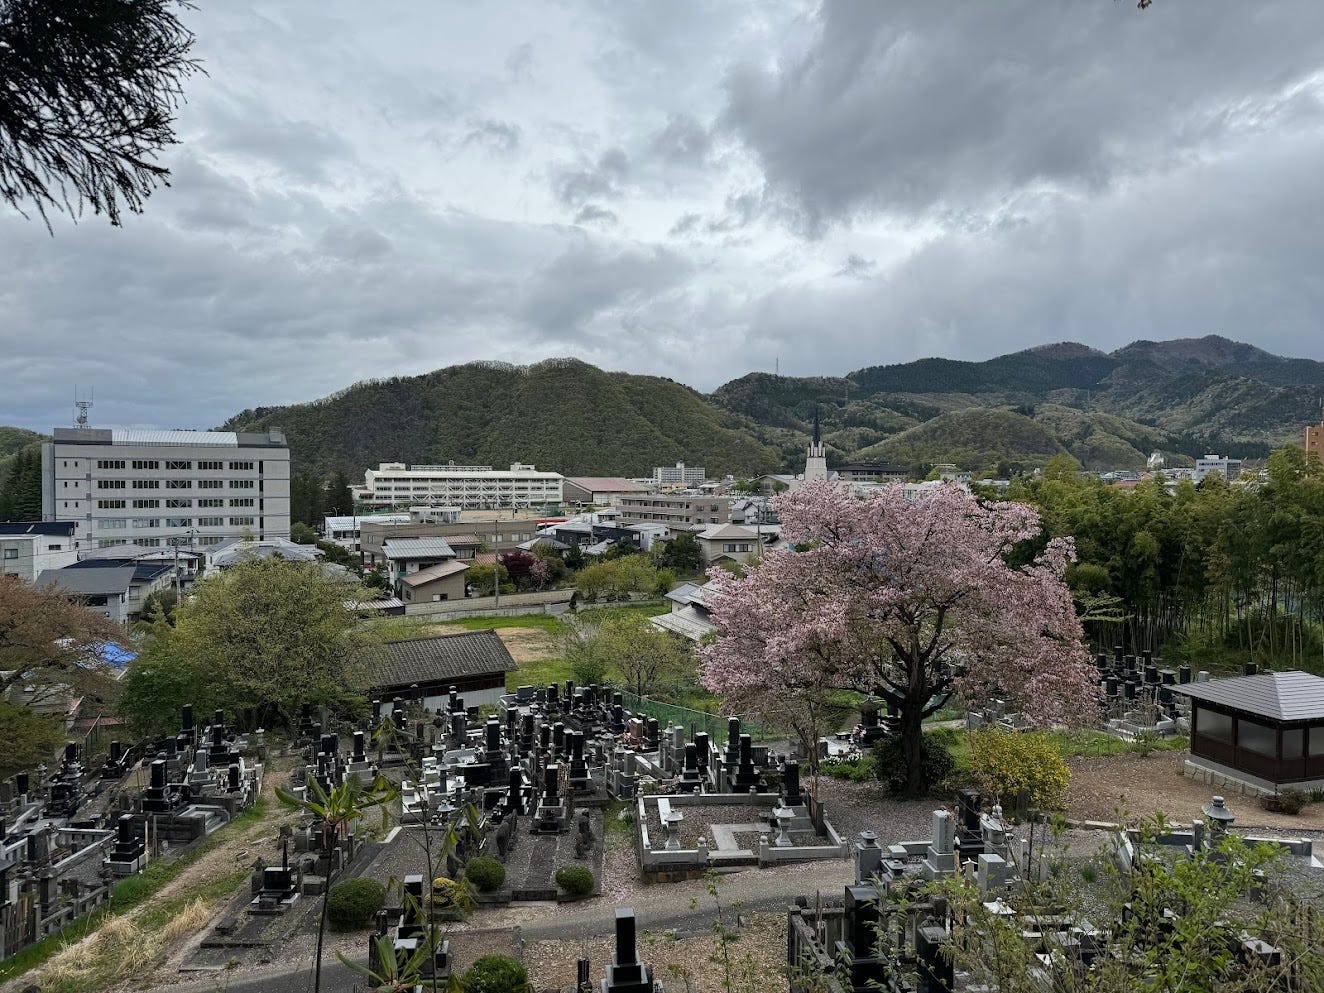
(602, 179)
(693, 189)
(910, 107)
(499, 136)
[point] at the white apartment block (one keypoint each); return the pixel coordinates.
(470, 487)
(154, 489)
(679, 475)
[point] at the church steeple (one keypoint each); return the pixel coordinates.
(816, 457)
(817, 439)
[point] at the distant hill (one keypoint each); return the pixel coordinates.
(562, 415)
(13, 441)
(1109, 410)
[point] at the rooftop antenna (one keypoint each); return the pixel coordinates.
(777, 366)
(82, 405)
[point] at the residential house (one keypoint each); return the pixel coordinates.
(423, 670)
(28, 549)
(405, 556)
(498, 531)
(105, 591)
(689, 618)
(433, 583)
(728, 541)
(344, 530)
(148, 577)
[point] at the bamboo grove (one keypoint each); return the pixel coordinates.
(1217, 574)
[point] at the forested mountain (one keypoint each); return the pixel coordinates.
(563, 415)
(1182, 398)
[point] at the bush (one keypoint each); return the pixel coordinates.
(1286, 802)
(577, 880)
(485, 873)
(1007, 762)
(351, 905)
(858, 770)
(890, 764)
(496, 974)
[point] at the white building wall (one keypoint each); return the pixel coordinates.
(151, 488)
(28, 555)
(392, 484)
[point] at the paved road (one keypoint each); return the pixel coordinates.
(684, 907)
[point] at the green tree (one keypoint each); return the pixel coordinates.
(163, 679)
(339, 496)
(681, 553)
(481, 578)
(30, 738)
(20, 495)
(89, 101)
(50, 644)
(273, 633)
(645, 657)
(302, 534)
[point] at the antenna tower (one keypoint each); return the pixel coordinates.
(81, 405)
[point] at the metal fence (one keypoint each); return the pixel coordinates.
(693, 720)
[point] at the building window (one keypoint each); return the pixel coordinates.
(110, 484)
(179, 522)
(147, 484)
(11, 553)
(1258, 738)
(213, 539)
(147, 542)
(110, 463)
(179, 484)
(210, 522)
(241, 502)
(146, 504)
(146, 464)
(1212, 724)
(111, 542)
(54, 548)
(178, 503)
(110, 504)
(147, 522)
(241, 484)
(211, 502)
(241, 522)
(178, 464)
(241, 466)
(112, 524)
(211, 484)
(211, 466)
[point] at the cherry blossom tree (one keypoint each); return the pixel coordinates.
(909, 601)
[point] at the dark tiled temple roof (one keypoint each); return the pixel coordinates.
(432, 660)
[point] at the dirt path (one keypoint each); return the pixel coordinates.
(1141, 786)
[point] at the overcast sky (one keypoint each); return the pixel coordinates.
(692, 189)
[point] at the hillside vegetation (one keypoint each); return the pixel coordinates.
(1183, 398)
(562, 415)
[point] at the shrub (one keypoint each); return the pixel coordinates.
(577, 880)
(857, 770)
(485, 873)
(1007, 762)
(351, 905)
(1286, 802)
(889, 762)
(496, 974)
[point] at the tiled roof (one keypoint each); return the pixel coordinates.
(463, 539)
(719, 532)
(432, 660)
(89, 582)
(1281, 696)
(439, 571)
(418, 548)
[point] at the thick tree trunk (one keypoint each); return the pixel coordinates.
(912, 748)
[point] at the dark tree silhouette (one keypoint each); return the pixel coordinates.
(88, 92)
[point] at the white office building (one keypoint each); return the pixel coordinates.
(1229, 469)
(153, 489)
(682, 475)
(470, 487)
